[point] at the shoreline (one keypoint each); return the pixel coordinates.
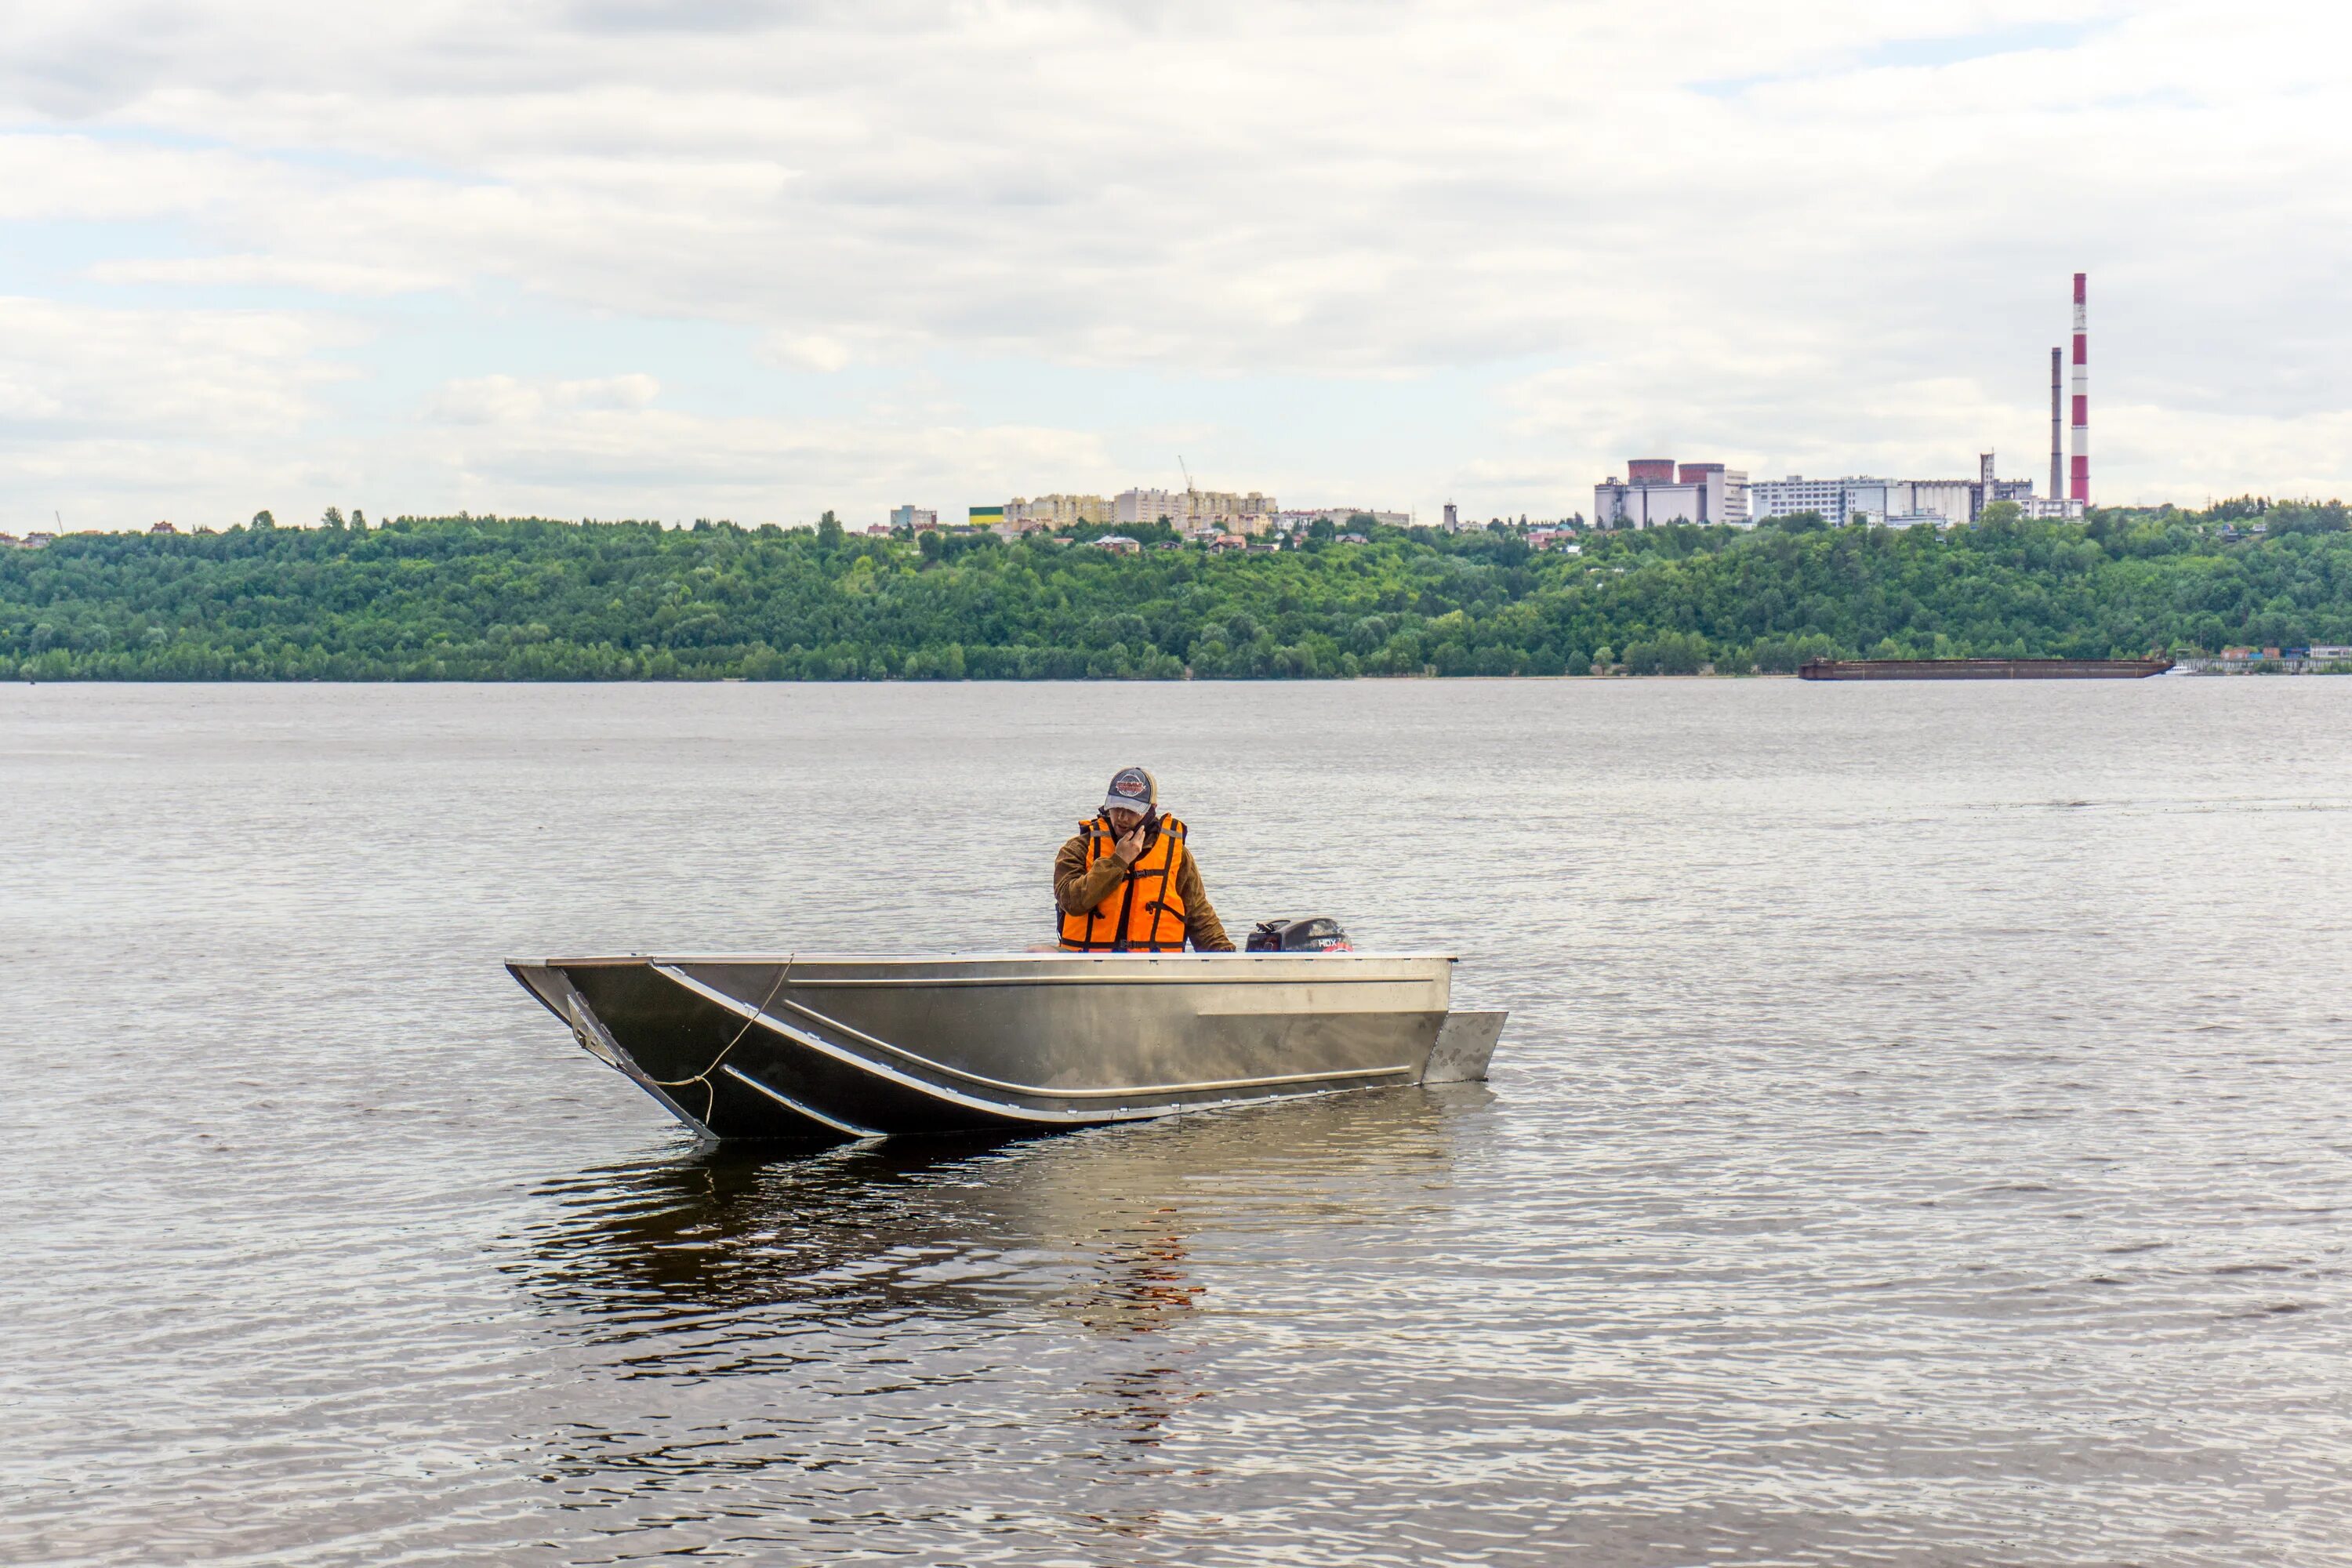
(1187, 680)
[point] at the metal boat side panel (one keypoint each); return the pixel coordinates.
(1105, 1038)
(773, 1085)
(992, 1098)
(1095, 1025)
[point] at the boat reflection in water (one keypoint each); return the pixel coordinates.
(1034, 1327)
(1096, 1228)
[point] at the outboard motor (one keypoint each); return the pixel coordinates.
(1319, 933)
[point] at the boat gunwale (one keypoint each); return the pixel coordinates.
(1066, 969)
(954, 981)
(1213, 967)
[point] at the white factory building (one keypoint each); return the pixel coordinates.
(2046, 510)
(1659, 490)
(1784, 498)
(1656, 491)
(1860, 498)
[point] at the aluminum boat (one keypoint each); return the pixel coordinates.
(834, 1047)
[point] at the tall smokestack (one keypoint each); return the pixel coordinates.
(2057, 429)
(2080, 487)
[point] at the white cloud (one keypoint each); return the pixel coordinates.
(505, 400)
(1832, 235)
(632, 391)
(167, 375)
(807, 351)
(320, 275)
(487, 400)
(116, 417)
(608, 449)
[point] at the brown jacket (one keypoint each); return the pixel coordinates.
(1077, 890)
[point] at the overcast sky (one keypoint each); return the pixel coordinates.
(754, 258)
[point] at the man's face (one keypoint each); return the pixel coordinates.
(1124, 820)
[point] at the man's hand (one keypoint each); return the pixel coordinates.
(1129, 848)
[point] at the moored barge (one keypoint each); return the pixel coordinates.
(1981, 669)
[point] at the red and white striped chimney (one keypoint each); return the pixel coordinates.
(2079, 489)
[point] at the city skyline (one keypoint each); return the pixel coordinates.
(742, 259)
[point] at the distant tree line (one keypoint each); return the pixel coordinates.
(477, 598)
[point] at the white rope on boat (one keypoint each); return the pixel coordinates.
(710, 1089)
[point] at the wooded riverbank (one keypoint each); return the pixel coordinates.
(531, 599)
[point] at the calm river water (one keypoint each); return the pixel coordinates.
(1921, 1138)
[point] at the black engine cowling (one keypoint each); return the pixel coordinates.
(1317, 933)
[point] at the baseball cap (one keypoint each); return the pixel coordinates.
(1132, 789)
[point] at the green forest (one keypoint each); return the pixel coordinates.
(481, 598)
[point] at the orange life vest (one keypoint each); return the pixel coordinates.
(1142, 913)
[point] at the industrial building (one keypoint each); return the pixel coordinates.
(1898, 503)
(1768, 498)
(1656, 491)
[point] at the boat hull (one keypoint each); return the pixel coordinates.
(850, 1048)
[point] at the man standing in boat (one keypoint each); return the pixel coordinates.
(1128, 884)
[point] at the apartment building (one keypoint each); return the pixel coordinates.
(1059, 510)
(1149, 506)
(1250, 511)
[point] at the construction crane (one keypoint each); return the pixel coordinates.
(1192, 496)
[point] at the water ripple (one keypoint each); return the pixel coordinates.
(1920, 1139)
